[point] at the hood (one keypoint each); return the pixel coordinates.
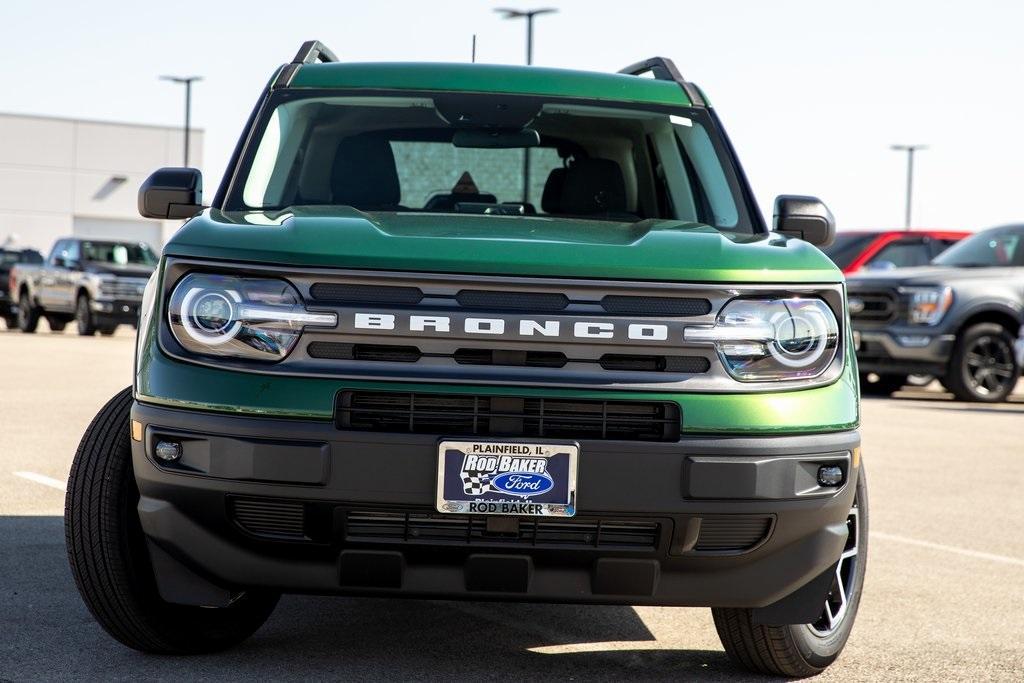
(929, 275)
(104, 268)
(477, 244)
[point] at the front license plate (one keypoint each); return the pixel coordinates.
(507, 478)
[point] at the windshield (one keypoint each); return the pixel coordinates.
(504, 155)
(119, 253)
(996, 247)
(847, 247)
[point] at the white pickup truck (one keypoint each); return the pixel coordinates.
(97, 283)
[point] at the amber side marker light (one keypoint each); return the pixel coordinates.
(136, 430)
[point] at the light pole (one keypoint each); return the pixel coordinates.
(508, 13)
(187, 81)
(909, 149)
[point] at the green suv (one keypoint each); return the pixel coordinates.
(481, 332)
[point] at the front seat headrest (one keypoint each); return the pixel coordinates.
(364, 174)
(593, 186)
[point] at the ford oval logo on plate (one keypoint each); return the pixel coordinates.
(523, 483)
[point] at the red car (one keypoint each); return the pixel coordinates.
(883, 249)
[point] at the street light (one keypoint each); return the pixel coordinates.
(508, 13)
(187, 81)
(909, 149)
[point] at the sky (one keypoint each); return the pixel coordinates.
(812, 92)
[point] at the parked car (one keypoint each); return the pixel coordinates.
(97, 283)
(857, 250)
(636, 394)
(956, 319)
(10, 257)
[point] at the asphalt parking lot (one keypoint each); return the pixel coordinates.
(944, 597)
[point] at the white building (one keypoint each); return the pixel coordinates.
(61, 177)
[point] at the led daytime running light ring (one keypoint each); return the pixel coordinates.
(200, 336)
(819, 326)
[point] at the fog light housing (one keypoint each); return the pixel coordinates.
(830, 475)
(170, 451)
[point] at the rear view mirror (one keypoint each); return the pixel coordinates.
(806, 218)
(171, 193)
(495, 138)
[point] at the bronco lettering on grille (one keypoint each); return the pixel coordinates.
(512, 327)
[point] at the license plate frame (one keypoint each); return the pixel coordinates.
(488, 484)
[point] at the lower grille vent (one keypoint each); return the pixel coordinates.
(369, 352)
(459, 415)
(404, 527)
(270, 518)
(530, 359)
(687, 364)
(732, 533)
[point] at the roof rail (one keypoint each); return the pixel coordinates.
(314, 50)
(310, 52)
(664, 69)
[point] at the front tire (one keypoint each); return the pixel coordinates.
(110, 563)
(802, 650)
(11, 321)
(983, 367)
(83, 316)
(28, 315)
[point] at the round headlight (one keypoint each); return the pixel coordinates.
(223, 315)
(208, 316)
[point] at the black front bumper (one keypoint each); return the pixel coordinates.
(116, 311)
(301, 506)
(903, 350)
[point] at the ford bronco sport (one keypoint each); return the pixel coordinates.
(385, 361)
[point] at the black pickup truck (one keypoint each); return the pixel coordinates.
(9, 258)
(955, 319)
(97, 283)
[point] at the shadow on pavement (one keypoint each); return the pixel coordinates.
(48, 633)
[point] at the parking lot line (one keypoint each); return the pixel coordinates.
(966, 552)
(43, 479)
(610, 646)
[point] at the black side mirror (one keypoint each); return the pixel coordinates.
(172, 193)
(805, 217)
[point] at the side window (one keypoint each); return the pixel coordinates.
(72, 250)
(58, 250)
(903, 253)
(940, 245)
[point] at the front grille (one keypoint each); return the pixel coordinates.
(732, 533)
(638, 363)
(393, 353)
(410, 527)
(530, 359)
(878, 306)
(339, 292)
(123, 288)
(655, 305)
(512, 301)
(270, 518)
(384, 353)
(461, 415)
